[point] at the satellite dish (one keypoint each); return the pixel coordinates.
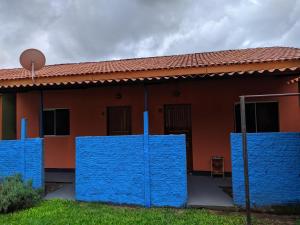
(32, 60)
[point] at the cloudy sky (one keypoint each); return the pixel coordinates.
(95, 30)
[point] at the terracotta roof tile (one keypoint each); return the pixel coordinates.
(205, 59)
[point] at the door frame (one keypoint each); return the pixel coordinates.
(189, 153)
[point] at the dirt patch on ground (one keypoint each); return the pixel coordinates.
(265, 218)
(272, 219)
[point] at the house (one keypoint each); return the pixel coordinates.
(192, 94)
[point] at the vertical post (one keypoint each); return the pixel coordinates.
(23, 128)
(41, 131)
(245, 157)
(146, 151)
(145, 98)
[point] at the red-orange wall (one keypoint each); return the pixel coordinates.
(212, 113)
(1, 108)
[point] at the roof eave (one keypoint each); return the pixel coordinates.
(221, 70)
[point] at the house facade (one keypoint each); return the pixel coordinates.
(194, 94)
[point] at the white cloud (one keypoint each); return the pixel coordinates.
(94, 30)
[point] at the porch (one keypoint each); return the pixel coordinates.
(109, 113)
(60, 184)
(203, 191)
(209, 192)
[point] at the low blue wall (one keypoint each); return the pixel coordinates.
(112, 169)
(274, 168)
(24, 157)
(168, 180)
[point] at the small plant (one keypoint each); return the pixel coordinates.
(15, 194)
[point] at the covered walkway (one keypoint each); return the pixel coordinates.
(60, 185)
(206, 191)
(203, 191)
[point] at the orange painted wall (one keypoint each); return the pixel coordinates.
(28, 107)
(212, 113)
(87, 117)
(1, 108)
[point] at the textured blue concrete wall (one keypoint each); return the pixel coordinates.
(24, 157)
(168, 170)
(274, 168)
(112, 169)
(147, 190)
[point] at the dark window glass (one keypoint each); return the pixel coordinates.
(62, 122)
(119, 120)
(56, 122)
(260, 117)
(250, 118)
(267, 117)
(8, 116)
(48, 124)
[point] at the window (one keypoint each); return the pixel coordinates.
(56, 122)
(8, 116)
(119, 120)
(260, 117)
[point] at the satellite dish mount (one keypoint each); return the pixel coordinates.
(32, 60)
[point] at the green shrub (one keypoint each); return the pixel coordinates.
(16, 194)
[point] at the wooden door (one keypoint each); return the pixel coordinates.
(178, 120)
(119, 120)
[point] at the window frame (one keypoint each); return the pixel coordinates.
(54, 127)
(108, 118)
(255, 102)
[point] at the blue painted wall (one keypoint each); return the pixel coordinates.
(147, 190)
(24, 157)
(112, 169)
(274, 168)
(168, 180)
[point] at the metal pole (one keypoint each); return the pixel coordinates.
(271, 95)
(32, 71)
(245, 157)
(41, 114)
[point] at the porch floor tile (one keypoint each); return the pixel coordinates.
(66, 191)
(204, 191)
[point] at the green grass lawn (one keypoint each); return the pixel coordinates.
(61, 212)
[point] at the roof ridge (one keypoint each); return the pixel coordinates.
(158, 56)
